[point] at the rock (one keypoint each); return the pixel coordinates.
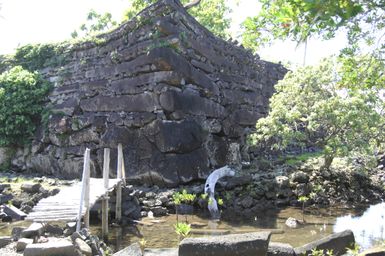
(14, 212)
(238, 181)
(35, 229)
(132, 250)
(83, 247)
(377, 251)
(291, 222)
(338, 242)
(249, 244)
(31, 187)
(61, 247)
(159, 211)
(16, 233)
(5, 240)
(247, 202)
(161, 252)
(53, 229)
(6, 218)
(4, 186)
(280, 249)
(299, 177)
(282, 182)
(4, 198)
(22, 243)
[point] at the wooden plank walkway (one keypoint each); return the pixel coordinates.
(65, 205)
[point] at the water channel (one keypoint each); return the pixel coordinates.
(367, 224)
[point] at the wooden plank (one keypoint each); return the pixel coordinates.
(118, 204)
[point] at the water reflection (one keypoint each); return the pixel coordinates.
(368, 228)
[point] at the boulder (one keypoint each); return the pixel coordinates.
(338, 242)
(280, 249)
(14, 212)
(16, 233)
(377, 251)
(5, 240)
(22, 243)
(83, 247)
(161, 252)
(35, 229)
(132, 250)
(249, 244)
(291, 222)
(299, 177)
(31, 187)
(61, 247)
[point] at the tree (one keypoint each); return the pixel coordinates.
(298, 20)
(22, 97)
(308, 109)
(210, 13)
(95, 24)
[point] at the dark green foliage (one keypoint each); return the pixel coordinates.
(96, 24)
(22, 95)
(39, 56)
(309, 110)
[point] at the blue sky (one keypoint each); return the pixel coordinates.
(39, 21)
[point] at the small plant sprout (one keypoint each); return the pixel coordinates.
(354, 250)
(303, 199)
(142, 244)
(220, 201)
(204, 196)
(182, 229)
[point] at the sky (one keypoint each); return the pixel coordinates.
(43, 21)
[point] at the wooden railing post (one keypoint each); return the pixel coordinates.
(106, 170)
(85, 192)
(118, 209)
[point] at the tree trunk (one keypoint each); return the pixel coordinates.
(328, 159)
(192, 4)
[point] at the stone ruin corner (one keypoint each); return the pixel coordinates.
(179, 99)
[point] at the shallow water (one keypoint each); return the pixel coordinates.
(367, 225)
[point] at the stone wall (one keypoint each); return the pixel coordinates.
(180, 100)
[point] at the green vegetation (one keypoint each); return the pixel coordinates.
(34, 57)
(182, 229)
(321, 252)
(297, 159)
(22, 96)
(210, 13)
(183, 197)
(309, 109)
(95, 24)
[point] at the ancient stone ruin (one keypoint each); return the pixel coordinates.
(179, 99)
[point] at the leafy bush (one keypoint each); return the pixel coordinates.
(310, 110)
(38, 56)
(22, 94)
(183, 197)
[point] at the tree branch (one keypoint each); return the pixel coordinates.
(192, 4)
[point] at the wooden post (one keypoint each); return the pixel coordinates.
(118, 209)
(87, 193)
(85, 177)
(106, 170)
(123, 171)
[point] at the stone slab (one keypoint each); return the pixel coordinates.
(57, 248)
(338, 242)
(249, 244)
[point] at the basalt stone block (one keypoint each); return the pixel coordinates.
(280, 249)
(176, 137)
(173, 169)
(131, 85)
(145, 102)
(338, 242)
(249, 244)
(117, 134)
(190, 103)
